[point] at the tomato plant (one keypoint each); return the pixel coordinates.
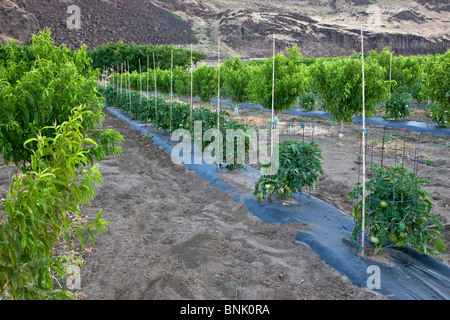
(398, 211)
(299, 167)
(143, 109)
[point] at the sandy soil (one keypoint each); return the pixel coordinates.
(341, 164)
(173, 236)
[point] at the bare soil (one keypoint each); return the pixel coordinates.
(342, 157)
(173, 236)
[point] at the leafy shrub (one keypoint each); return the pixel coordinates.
(38, 205)
(440, 115)
(290, 81)
(396, 106)
(437, 87)
(338, 83)
(398, 211)
(307, 101)
(299, 167)
(39, 86)
(51, 124)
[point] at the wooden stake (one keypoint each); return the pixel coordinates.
(121, 79)
(140, 80)
(363, 145)
(171, 89)
(272, 124)
(104, 76)
(156, 97)
(219, 156)
(129, 86)
(192, 106)
(117, 87)
(390, 76)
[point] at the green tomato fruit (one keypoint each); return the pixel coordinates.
(375, 239)
(393, 239)
(383, 204)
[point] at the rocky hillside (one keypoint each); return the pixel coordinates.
(318, 27)
(101, 21)
(246, 28)
(16, 21)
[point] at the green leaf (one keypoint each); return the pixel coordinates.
(99, 215)
(81, 237)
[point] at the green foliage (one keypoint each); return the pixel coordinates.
(299, 167)
(144, 109)
(236, 76)
(339, 83)
(113, 55)
(307, 101)
(59, 180)
(51, 123)
(398, 211)
(439, 114)
(206, 83)
(289, 81)
(40, 85)
(396, 107)
(406, 72)
(437, 87)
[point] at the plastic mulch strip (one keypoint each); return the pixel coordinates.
(403, 273)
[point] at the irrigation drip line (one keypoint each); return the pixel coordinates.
(429, 164)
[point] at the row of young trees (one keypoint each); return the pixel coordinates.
(337, 83)
(114, 54)
(51, 129)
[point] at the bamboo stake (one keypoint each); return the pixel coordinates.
(146, 92)
(104, 77)
(390, 76)
(117, 88)
(171, 89)
(121, 78)
(129, 86)
(156, 97)
(363, 145)
(272, 124)
(192, 106)
(218, 100)
(140, 80)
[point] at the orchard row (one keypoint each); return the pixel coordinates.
(334, 84)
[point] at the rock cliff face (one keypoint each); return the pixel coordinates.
(246, 28)
(254, 31)
(15, 21)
